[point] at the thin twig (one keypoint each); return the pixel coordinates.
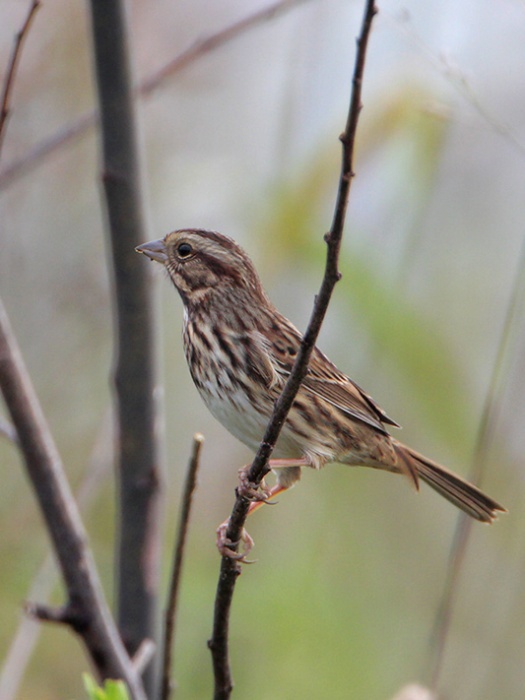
(19, 167)
(491, 411)
(182, 531)
(207, 44)
(12, 66)
(200, 48)
(144, 655)
(87, 609)
(230, 569)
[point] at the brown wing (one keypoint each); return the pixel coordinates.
(327, 382)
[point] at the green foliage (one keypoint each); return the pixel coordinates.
(112, 690)
(410, 343)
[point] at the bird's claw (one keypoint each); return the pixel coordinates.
(226, 546)
(256, 493)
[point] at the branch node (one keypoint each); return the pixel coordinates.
(63, 614)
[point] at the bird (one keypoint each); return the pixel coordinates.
(240, 351)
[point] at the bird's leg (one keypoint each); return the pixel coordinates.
(257, 494)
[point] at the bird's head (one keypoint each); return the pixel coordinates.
(204, 263)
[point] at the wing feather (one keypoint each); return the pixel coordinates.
(327, 382)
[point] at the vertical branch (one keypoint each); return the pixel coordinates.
(171, 608)
(230, 568)
(86, 610)
(139, 541)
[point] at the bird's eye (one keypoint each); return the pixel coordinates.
(184, 250)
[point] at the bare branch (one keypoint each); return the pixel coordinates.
(23, 643)
(61, 514)
(230, 568)
(138, 546)
(11, 69)
(171, 608)
(86, 610)
(214, 41)
(144, 655)
(201, 48)
(19, 167)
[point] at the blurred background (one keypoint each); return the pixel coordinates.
(351, 563)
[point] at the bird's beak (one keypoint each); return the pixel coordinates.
(156, 250)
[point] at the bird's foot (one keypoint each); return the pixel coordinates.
(257, 493)
(227, 548)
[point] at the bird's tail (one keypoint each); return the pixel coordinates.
(455, 489)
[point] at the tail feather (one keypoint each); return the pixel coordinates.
(455, 489)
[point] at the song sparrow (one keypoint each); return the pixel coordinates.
(240, 350)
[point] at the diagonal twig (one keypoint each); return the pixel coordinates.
(209, 43)
(230, 569)
(182, 531)
(12, 66)
(86, 610)
(200, 48)
(24, 641)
